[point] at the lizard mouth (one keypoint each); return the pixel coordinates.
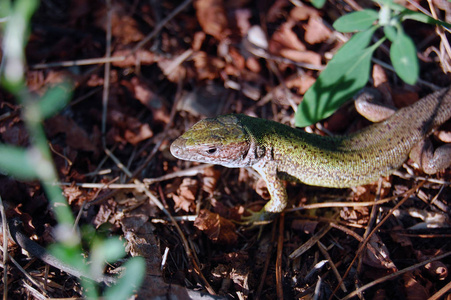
(177, 147)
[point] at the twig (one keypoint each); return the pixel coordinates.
(160, 25)
(40, 252)
(365, 242)
(5, 250)
(323, 250)
(140, 186)
(79, 62)
(105, 60)
(342, 204)
(368, 232)
(396, 274)
(267, 263)
(312, 241)
(441, 292)
(279, 271)
(106, 80)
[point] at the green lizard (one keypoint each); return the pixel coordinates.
(278, 152)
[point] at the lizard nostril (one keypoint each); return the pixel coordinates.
(211, 151)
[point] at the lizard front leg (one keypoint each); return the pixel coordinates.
(278, 194)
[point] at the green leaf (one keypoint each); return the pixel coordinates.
(17, 162)
(391, 33)
(392, 5)
(420, 17)
(14, 39)
(318, 3)
(109, 250)
(403, 56)
(345, 74)
(356, 21)
(357, 43)
(70, 255)
(130, 280)
(54, 100)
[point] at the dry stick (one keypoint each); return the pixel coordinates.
(279, 284)
(396, 274)
(363, 244)
(178, 98)
(267, 262)
(106, 76)
(5, 249)
(441, 34)
(323, 250)
(441, 292)
(310, 242)
(342, 204)
(29, 277)
(418, 178)
(181, 234)
(160, 25)
(143, 188)
(367, 233)
(79, 62)
(93, 61)
(354, 5)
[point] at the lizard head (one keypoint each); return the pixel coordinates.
(221, 140)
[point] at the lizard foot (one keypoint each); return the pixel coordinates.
(257, 218)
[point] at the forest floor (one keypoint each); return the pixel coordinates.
(169, 64)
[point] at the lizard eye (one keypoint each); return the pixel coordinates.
(211, 150)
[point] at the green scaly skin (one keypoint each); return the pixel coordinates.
(277, 151)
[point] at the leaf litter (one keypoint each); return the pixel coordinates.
(204, 50)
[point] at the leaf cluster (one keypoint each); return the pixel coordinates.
(349, 69)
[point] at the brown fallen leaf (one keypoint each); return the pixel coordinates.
(309, 57)
(300, 83)
(285, 38)
(212, 17)
(76, 137)
(140, 57)
(315, 31)
(413, 289)
(377, 255)
(217, 228)
(14, 132)
(74, 193)
(128, 129)
(186, 195)
(210, 179)
(124, 27)
(302, 13)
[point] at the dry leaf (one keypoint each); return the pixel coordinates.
(124, 28)
(315, 31)
(218, 229)
(207, 67)
(128, 129)
(140, 57)
(212, 17)
(186, 195)
(76, 137)
(302, 13)
(73, 193)
(413, 289)
(308, 57)
(377, 255)
(300, 83)
(242, 17)
(210, 179)
(285, 38)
